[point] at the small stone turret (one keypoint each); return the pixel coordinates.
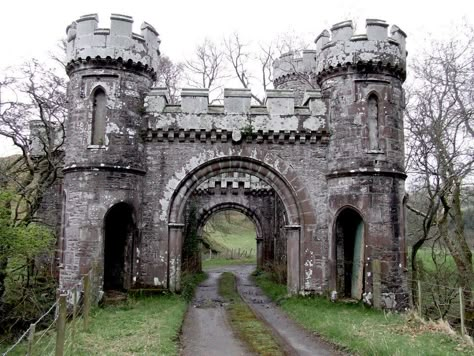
(361, 80)
(342, 48)
(294, 70)
(85, 41)
(110, 71)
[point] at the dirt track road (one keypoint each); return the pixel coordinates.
(206, 330)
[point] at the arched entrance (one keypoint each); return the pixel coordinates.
(119, 228)
(206, 214)
(293, 213)
(350, 253)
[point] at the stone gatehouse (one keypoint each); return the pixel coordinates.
(319, 168)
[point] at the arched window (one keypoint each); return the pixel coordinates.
(99, 103)
(373, 122)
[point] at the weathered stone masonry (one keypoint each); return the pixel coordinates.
(333, 162)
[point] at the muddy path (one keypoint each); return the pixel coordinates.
(206, 330)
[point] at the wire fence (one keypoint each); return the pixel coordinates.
(71, 309)
(230, 254)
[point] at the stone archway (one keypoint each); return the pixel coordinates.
(119, 228)
(350, 251)
(293, 211)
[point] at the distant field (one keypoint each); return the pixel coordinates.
(228, 234)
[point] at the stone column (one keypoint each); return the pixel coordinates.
(176, 236)
(259, 252)
(292, 233)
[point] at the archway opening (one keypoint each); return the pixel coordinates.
(293, 214)
(118, 231)
(238, 219)
(229, 236)
(350, 254)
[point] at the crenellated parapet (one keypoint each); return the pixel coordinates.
(294, 65)
(86, 42)
(237, 103)
(234, 183)
(375, 50)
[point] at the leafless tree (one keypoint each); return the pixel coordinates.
(239, 57)
(34, 96)
(207, 67)
(169, 75)
(439, 118)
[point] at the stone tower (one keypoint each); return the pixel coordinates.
(295, 71)
(110, 72)
(361, 78)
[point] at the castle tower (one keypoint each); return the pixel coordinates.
(295, 71)
(110, 72)
(361, 79)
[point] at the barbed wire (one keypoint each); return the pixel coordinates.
(76, 288)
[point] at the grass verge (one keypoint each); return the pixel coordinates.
(366, 331)
(142, 325)
(244, 322)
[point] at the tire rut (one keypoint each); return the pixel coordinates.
(206, 330)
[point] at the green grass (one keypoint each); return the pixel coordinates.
(226, 232)
(219, 262)
(363, 330)
(250, 329)
(231, 230)
(139, 326)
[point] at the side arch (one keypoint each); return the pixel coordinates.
(119, 228)
(349, 230)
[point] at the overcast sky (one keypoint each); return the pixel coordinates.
(31, 28)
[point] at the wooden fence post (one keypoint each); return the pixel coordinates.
(87, 300)
(31, 338)
(419, 298)
(376, 286)
(74, 315)
(61, 325)
(461, 309)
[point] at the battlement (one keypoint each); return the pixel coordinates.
(86, 41)
(233, 183)
(341, 47)
(292, 63)
(237, 103)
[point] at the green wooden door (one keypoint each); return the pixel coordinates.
(358, 262)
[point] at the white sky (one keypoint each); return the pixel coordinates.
(31, 28)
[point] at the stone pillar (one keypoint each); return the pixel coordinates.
(292, 233)
(259, 252)
(176, 237)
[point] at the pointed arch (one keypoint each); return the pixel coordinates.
(99, 111)
(349, 229)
